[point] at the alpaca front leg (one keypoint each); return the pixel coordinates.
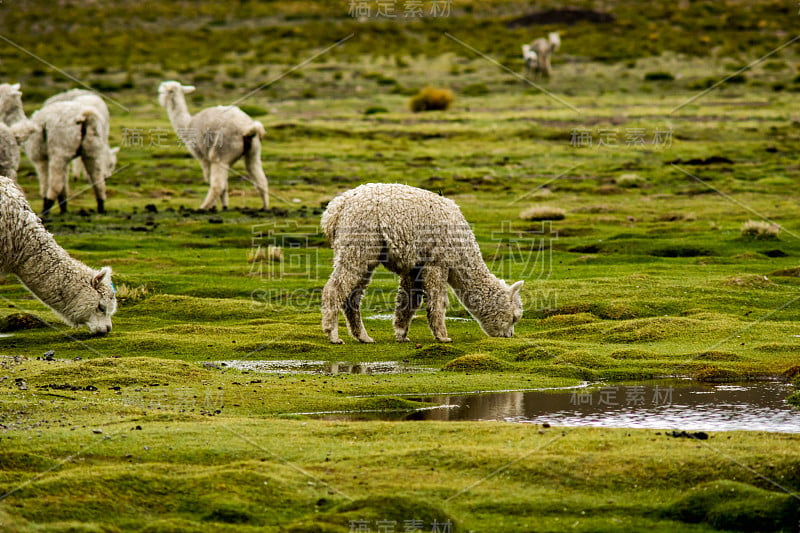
(409, 298)
(332, 300)
(218, 178)
(434, 280)
(252, 162)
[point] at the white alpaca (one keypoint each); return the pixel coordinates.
(530, 57)
(217, 137)
(10, 140)
(68, 130)
(77, 293)
(89, 98)
(423, 238)
(544, 49)
(11, 110)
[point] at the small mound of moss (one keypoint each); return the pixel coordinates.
(633, 353)
(475, 361)
(26, 462)
(575, 319)
(714, 355)
(20, 321)
(283, 347)
(437, 351)
(120, 372)
(773, 347)
(730, 505)
(650, 329)
(228, 513)
(541, 352)
(786, 272)
(584, 359)
(717, 375)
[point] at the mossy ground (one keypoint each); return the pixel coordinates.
(647, 274)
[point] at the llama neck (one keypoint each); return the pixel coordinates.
(50, 273)
(473, 283)
(178, 113)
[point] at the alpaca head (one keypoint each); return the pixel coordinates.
(170, 91)
(94, 304)
(555, 41)
(528, 54)
(506, 312)
(11, 104)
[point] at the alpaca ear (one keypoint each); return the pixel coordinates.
(100, 276)
(15, 88)
(188, 89)
(514, 289)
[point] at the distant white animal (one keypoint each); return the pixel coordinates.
(68, 130)
(544, 49)
(217, 137)
(10, 140)
(423, 238)
(530, 57)
(77, 293)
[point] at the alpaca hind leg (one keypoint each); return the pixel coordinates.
(352, 308)
(56, 184)
(435, 283)
(409, 298)
(252, 162)
(43, 176)
(218, 182)
(94, 172)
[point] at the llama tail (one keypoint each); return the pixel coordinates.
(255, 129)
(330, 218)
(254, 133)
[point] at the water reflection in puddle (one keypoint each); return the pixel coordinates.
(321, 367)
(674, 405)
(752, 406)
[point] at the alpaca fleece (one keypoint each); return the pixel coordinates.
(77, 293)
(217, 137)
(423, 238)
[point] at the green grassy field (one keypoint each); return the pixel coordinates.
(648, 274)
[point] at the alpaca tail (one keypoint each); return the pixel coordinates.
(255, 129)
(330, 218)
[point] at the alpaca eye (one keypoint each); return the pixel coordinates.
(101, 308)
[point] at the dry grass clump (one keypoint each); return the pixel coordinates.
(431, 99)
(758, 229)
(543, 212)
(127, 294)
(260, 254)
(630, 181)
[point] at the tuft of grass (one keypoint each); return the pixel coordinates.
(542, 212)
(476, 362)
(431, 99)
(759, 229)
(630, 181)
(127, 294)
(20, 321)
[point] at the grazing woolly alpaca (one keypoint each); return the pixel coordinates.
(68, 130)
(217, 137)
(10, 140)
(530, 58)
(544, 48)
(89, 98)
(77, 293)
(423, 238)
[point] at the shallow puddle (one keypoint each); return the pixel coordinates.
(321, 367)
(679, 405)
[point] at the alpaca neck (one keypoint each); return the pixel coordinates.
(473, 283)
(178, 113)
(50, 273)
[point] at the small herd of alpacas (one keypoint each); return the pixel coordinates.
(420, 236)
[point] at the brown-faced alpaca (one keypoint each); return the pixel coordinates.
(423, 238)
(217, 137)
(77, 293)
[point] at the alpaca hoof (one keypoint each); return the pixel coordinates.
(366, 340)
(444, 339)
(337, 341)
(398, 338)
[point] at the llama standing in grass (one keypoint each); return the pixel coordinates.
(77, 293)
(10, 140)
(424, 239)
(68, 130)
(89, 98)
(544, 49)
(217, 137)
